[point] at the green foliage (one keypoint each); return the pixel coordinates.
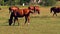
(20, 2)
(24, 1)
(5, 0)
(48, 2)
(1, 2)
(17, 2)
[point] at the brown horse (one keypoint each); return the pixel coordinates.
(36, 9)
(20, 13)
(55, 10)
(13, 8)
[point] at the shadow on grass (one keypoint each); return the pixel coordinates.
(45, 16)
(7, 24)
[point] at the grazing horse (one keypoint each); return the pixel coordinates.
(13, 8)
(36, 9)
(55, 10)
(20, 13)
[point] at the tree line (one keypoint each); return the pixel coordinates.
(26, 2)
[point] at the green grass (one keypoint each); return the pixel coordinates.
(44, 23)
(58, 3)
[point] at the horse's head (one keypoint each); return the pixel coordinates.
(10, 22)
(31, 7)
(36, 9)
(52, 9)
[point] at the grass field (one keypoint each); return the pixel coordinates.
(44, 23)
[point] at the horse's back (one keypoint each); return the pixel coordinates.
(31, 7)
(26, 11)
(23, 11)
(20, 11)
(13, 8)
(56, 9)
(53, 9)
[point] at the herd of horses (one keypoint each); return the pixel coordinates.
(16, 13)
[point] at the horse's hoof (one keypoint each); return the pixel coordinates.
(9, 25)
(28, 23)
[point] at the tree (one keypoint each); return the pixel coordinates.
(17, 2)
(48, 2)
(1, 2)
(24, 1)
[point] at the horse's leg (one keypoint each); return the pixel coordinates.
(25, 20)
(34, 9)
(28, 18)
(54, 14)
(16, 19)
(38, 12)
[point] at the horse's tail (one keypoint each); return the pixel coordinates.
(11, 19)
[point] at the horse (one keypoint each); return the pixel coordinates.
(18, 14)
(55, 10)
(36, 9)
(13, 8)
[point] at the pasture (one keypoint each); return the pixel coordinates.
(44, 23)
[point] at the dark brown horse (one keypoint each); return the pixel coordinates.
(20, 13)
(55, 10)
(36, 9)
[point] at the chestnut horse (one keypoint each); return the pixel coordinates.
(55, 10)
(20, 13)
(36, 9)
